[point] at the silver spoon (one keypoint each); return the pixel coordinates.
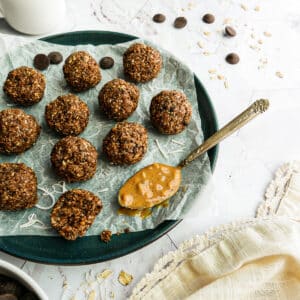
(158, 182)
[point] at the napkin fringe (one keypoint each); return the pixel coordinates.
(188, 249)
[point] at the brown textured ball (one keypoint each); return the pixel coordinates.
(81, 71)
(18, 131)
(25, 86)
(170, 112)
(141, 62)
(74, 159)
(67, 115)
(118, 99)
(18, 186)
(126, 143)
(74, 212)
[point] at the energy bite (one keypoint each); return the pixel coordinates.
(118, 99)
(18, 131)
(74, 159)
(25, 86)
(67, 115)
(74, 212)
(126, 143)
(141, 62)
(18, 186)
(81, 71)
(170, 112)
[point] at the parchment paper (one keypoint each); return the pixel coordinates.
(108, 179)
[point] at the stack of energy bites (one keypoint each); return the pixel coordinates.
(73, 158)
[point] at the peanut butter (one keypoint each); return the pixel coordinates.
(150, 186)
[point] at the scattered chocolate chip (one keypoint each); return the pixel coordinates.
(126, 230)
(208, 18)
(229, 31)
(41, 62)
(106, 62)
(55, 57)
(180, 22)
(232, 58)
(159, 18)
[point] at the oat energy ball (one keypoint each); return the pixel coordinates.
(18, 186)
(126, 143)
(74, 159)
(81, 71)
(118, 99)
(74, 212)
(25, 86)
(141, 62)
(170, 112)
(67, 115)
(18, 131)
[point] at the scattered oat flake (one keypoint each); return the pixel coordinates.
(65, 284)
(92, 295)
(206, 53)
(106, 273)
(207, 33)
(267, 34)
(125, 278)
(252, 36)
(212, 77)
(279, 74)
(260, 41)
(257, 8)
(220, 77)
(227, 21)
(244, 7)
(112, 295)
(226, 84)
(200, 45)
(212, 71)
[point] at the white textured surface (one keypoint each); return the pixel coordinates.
(248, 159)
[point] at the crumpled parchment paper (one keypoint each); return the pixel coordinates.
(108, 179)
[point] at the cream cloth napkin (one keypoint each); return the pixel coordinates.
(252, 259)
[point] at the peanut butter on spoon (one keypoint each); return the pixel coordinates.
(158, 182)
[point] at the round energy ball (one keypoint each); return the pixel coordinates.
(126, 143)
(170, 112)
(74, 159)
(74, 212)
(67, 115)
(18, 131)
(25, 86)
(118, 99)
(18, 186)
(81, 71)
(141, 63)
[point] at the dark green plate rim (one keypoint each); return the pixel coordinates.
(86, 250)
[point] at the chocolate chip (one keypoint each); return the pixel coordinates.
(232, 58)
(41, 62)
(55, 57)
(159, 18)
(180, 22)
(106, 62)
(230, 31)
(208, 18)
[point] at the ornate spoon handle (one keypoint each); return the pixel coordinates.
(251, 112)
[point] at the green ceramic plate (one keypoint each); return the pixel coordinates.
(56, 250)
